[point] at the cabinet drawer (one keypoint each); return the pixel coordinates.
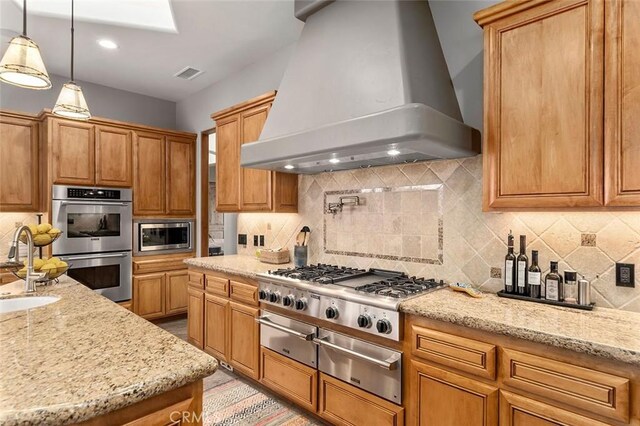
(217, 286)
(245, 293)
(585, 389)
(292, 379)
(146, 266)
(457, 352)
(342, 404)
(196, 279)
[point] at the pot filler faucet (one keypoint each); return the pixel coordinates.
(14, 257)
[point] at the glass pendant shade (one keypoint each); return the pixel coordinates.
(71, 103)
(22, 65)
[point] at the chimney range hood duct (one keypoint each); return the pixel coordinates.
(367, 85)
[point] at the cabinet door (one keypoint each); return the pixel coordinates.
(73, 152)
(195, 317)
(516, 410)
(296, 381)
(148, 295)
(149, 175)
(543, 107)
(176, 292)
(244, 346)
(19, 165)
(448, 399)
(181, 176)
(216, 326)
(343, 404)
(622, 103)
(255, 184)
(285, 192)
(113, 157)
(228, 165)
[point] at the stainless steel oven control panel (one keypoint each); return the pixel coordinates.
(369, 319)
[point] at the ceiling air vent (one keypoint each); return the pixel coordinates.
(188, 73)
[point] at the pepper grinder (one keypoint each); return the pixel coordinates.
(584, 292)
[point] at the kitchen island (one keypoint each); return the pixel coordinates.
(83, 358)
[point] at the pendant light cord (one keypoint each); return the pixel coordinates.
(71, 40)
(24, 18)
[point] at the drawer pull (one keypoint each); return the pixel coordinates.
(388, 364)
(267, 322)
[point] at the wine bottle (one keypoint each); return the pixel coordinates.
(553, 284)
(509, 267)
(533, 277)
(522, 267)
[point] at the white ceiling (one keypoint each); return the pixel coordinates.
(218, 37)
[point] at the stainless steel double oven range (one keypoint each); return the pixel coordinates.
(96, 239)
(356, 299)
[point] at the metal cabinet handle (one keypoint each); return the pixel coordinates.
(388, 364)
(267, 322)
(93, 203)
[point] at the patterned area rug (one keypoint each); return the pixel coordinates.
(236, 403)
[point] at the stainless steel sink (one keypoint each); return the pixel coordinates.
(14, 304)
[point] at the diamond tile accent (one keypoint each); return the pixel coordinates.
(588, 240)
(562, 237)
(617, 239)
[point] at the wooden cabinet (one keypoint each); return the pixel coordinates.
(19, 163)
(164, 176)
(243, 189)
(516, 410)
(73, 152)
(296, 381)
(343, 404)
(160, 285)
(448, 399)
(148, 295)
(543, 91)
(622, 103)
(113, 156)
(244, 339)
(195, 316)
(216, 329)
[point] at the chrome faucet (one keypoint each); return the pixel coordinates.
(14, 257)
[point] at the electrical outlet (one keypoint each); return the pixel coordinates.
(625, 275)
(242, 239)
(255, 240)
(261, 240)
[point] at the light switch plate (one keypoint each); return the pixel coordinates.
(625, 275)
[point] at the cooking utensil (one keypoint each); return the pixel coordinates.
(300, 238)
(305, 229)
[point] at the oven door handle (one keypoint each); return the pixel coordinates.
(267, 322)
(91, 257)
(93, 203)
(388, 364)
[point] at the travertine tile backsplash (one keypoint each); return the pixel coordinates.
(473, 241)
(8, 222)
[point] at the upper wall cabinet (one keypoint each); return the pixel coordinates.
(19, 163)
(240, 189)
(622, 103)
(164, 175)
(543, 97)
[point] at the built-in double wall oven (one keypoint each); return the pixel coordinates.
(371, 367)
(96, 239)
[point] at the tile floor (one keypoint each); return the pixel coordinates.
(238, 401)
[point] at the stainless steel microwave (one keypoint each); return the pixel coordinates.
(162, 236)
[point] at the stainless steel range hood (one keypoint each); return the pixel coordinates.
(367, 85)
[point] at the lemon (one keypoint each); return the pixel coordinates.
(42, 239)
(22, 272)
(50, 268)
(54, 232)
(61, 265)
(37, 264)
(33, 228)
(43, 228)
(53, 260)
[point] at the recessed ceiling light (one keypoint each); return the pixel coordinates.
(393, 152)
(334, 160)
(289, 167)
(107, 44)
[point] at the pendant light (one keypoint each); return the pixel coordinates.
(22, 64)
(71, 103)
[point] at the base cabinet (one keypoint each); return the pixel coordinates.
(294, 380)
(244, 339)
(176, 298)
(195, 321)
(216, 329)
(343, 404)
(447, 399)
(148, 295)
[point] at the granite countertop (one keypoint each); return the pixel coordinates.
(235, 264)
(607, 333)
(83, 356)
